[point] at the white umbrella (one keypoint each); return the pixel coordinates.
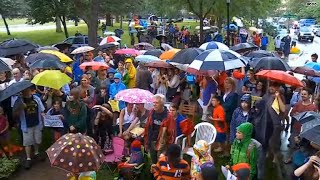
(109, 33)
(8, 61)
(82, 49)
(109, 39)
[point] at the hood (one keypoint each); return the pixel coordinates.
(117, 75)
(129, 60)
(246, 98)
(246, 129)
(111, 70)
(242, 171)
(201, 147)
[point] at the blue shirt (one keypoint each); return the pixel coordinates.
(208, 91)
(179, 119)
(265, 41)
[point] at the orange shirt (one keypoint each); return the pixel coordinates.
(219, 113)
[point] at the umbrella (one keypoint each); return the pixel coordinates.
(54, 79)
(47, 48)
(306, 116)
(166, 47)
(41, 56)
(182, 67)
(213, 45)
(14, 89)
(16, 46)
(135, 95)
(311, 130)
(216, 59)
(146, 58)
(4, 66)
(280, 77)
(146, 46)
(186, 56)
(306, 71)
(109, 33)
(253, 29)
(260, 54)
(75, 153)
(94, 65)
(273, 63)
(243, 47)
(160, 36)
(313, 65)
(106, 46)
(47, 64)
(8, 61)
(63, 58)
(62, 45)
(232, 27)
(154, 52)
(128, 51)
(158, 64)
(82, 49)
(168, 55)
(109, 39)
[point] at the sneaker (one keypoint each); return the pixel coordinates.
(40, 157)
(28, 164)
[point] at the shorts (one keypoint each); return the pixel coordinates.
(221, 137)
(32, 136)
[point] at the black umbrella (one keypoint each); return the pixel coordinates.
(154, 52)
(48, 64)
(306, 116)
(186, 56)
(160, 36)
(106, 46)
(4, 66)
(62, 46)
(260, 54)
(16, 46)
(243, 47)
(41, 56)
(270, 63)
(14, 89)
(311, 130)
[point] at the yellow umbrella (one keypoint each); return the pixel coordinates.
(253, 29)
(51, 78)
(63, 58)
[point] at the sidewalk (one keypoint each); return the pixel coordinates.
(40, 171)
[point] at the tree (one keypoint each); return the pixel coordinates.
(44, 11)
(9, 9)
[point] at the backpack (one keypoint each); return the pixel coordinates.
(254, 144)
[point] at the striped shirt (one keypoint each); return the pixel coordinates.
(165, 171)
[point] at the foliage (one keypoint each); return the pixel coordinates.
(300, 8)
(8, 166)
(11, 8)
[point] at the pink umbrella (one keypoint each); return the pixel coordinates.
(128, 51)
(94, 65)
(135, 95)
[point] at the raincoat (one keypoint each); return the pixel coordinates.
(245, 151)
(115, 88)
(201, 156)
(130, 78)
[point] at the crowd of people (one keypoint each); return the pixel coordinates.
(236, 102)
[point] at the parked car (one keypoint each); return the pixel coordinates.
(305, 33)
(79, 41)
(315, 28)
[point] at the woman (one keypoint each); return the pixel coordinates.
(101, 81)
(310, 170)
(130, 78)
(240, 115)
(127, 116)
(250, 84)
(141, 118)
(259, 90)
(121, 69)
(230, 98)
(87, 91)
(76, 113)
(162, 83)
(57, 110)
(172, 82)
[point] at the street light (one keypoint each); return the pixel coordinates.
(228, 22)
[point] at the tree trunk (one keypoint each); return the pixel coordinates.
(201, 30)
(93, 23)
(58, 25)
(118, 19)
(6, 24)
(64, 24)
(121, 22)
(108, 19)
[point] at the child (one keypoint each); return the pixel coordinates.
(201, 156)
(103, 96)
(4, 133)
(57, 110)
(103, 127)
(219, 121)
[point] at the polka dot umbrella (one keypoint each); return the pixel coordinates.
(75, 153)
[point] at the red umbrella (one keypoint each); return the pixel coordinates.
(128, 51)
(280, 77)
(94, 65)
(159, 64)
(306, 71)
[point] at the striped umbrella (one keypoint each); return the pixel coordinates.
(212, 60)
(213, 45)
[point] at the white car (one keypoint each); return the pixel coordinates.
(315, 28)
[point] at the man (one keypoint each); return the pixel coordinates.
(264, 42)
(29, 109)
(17, 76)
(314, 57)
(154, 125)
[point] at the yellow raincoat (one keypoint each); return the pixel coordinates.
(130, 78)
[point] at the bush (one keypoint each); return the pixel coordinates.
(8, 167)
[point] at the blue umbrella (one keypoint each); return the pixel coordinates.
(146, 58)
(313, 65)
(232, 27)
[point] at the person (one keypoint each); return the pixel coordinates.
(121, 69)
(103, 96)
(310, 170)
(186, 94)
(130, 78)
(4, 132)
(77, 33)
(243, 149)
(76, 113)
(240, 115)
(314, 58)
(126, 118)
(155, 75)
(278, 43)
(101, 80)
(17, 76)
(219, 120)
(87, 91)
(287, 45)
(57, 110)
(201, 157)
(99, 57)
(264, 42)
(256, 39)
(161, 84)
(250, 84)
(230, 98)
(29, 110)
(242, 171)
(172, 82)
(217, 37)
(208, 172)
(156, 120)
(260, 89)
(170, 166)
(144, 78)
(103, 129)
(208, 91)
(116, 87)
